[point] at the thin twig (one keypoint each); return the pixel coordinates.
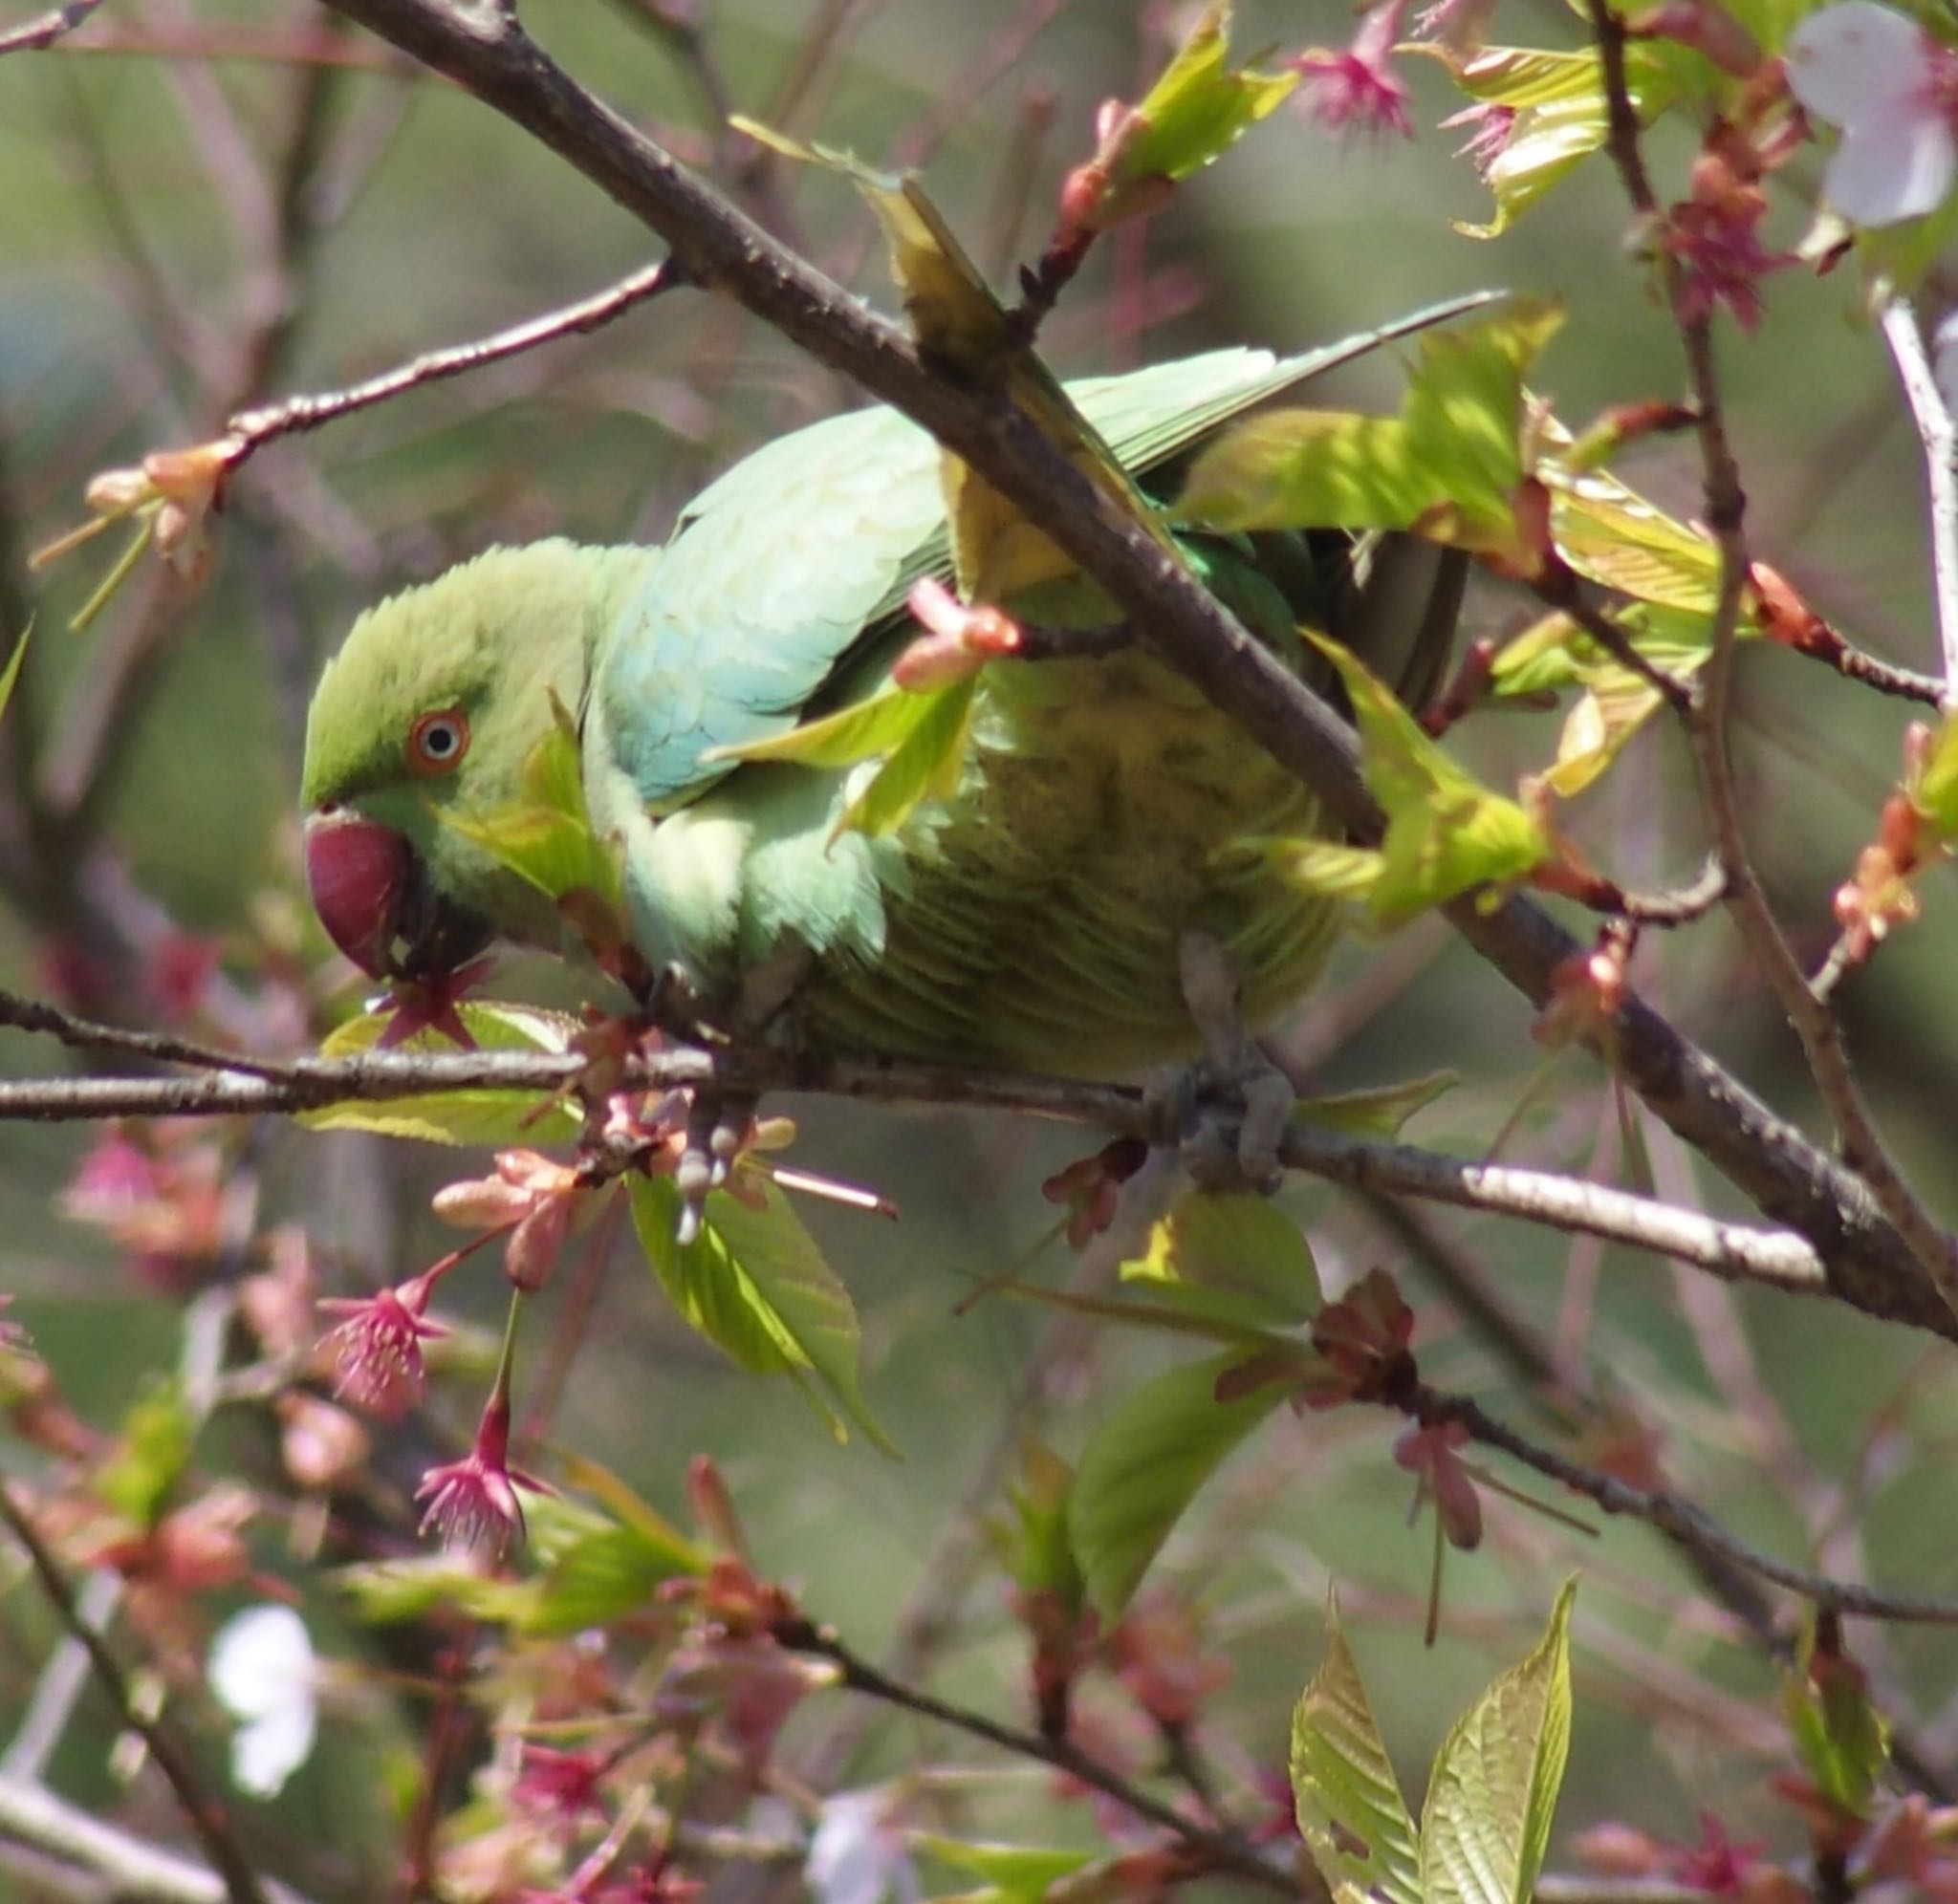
(1672, 1514)
(1221, 1850)
(1938, 432)
(252, 429)
(201, 1812)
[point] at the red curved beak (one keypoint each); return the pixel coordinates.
(358, 873)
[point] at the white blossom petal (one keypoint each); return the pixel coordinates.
(1893, 169)
(1857, 64)
(856, 1856)
(261, 1670)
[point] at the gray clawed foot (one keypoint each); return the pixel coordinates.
(1218, 1156)
(717, 1126)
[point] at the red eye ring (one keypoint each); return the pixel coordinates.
(438, 741)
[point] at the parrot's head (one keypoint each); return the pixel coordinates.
(430, 711)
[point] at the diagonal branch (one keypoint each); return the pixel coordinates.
(1938, 431)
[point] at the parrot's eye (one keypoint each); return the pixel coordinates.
(438, 741)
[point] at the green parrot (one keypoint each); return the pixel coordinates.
(1037, 916)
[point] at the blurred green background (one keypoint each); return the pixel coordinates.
(140, 299)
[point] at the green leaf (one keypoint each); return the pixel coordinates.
(927, 765)
(386, 1592)
(1379, 1111)
(1449, 465)
(1307, 469)
(1446, 833)
(456, 1116)
(1232, 1243)
(1041, 1559)
(1613, 537)
(1326, 868)
(593, 1569)
(870, 728)
(754, 1283)
(11, 674)
(1200, 107)
(1839, 1734)
(1464, 417)
(1143, 1466)
(545, 835)
(1486, 1823)
(153, 1449)
(1013, 1873)
(1934, 792)
(1350, 1810)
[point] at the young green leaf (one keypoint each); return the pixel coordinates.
(1235, 1244)
(1143, 1466)
(1350, 1810)
(545, 835)
(593, 1569)
(754, 1283)
(927, 765)
(1012, 1873)
(456, 1116)
(1446, 833)
(1486, 1823)
(1200, 107)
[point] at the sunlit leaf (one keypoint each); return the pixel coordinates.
(1308, 469)
(754, 1283)
(926, 765)
(1486, 1823)
(1200, 106)
(1934, 791)
(387, 1593)
(455, 1116)
(1613, 537)
(1350, 1810)
(1235, 1244)
(1840, 1736)
(1143, 1466)
(592, 1569)
(1013, 1873)
(545, 835)
(1446, 833)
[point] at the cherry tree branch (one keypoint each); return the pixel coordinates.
(1682, 1520)
(1221, 1850)
(251, 431)
(1782, 1259)
(45, 29)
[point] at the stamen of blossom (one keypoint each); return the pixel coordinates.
(378, 1349)
(1357, 89)
(1491, 127)
(472, 1503)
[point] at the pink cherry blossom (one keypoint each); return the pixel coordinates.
(1357, 89)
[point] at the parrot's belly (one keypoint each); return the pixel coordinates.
(1037, 919)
